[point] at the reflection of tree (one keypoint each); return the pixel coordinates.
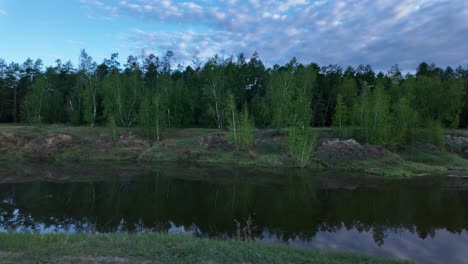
(288, 205)
(378, 234)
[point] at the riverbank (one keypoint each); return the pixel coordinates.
(209, 146)
(158, 248)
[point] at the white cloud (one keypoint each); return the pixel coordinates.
(3, 12)
(92, 2)
(380, 32)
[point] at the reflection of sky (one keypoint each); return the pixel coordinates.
(443, 247)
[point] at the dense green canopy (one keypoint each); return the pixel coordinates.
(152, 92)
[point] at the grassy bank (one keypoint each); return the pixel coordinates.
(157, 248)
(209, 146)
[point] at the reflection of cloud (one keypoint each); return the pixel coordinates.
(379, 32)
(444, 247)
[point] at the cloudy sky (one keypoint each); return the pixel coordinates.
(376, 32)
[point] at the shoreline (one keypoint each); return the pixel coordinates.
(56, 144)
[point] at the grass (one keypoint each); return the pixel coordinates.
(397, 169)
(158, 248)
(437, 158)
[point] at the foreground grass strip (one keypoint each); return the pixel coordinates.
(157, 248)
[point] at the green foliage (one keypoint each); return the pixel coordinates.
(360, 114)
(90, 95)
(438, 100)
(404, 121)
(151, 117)
(435, 134)
(122, 97)
(280, 94)
(378, 129)
(371, 113)
(180, 104)
(260, 111)
(113, 129)
(340, 119)
(347, 90)
(233, 122)
(301, 139)
(240, 126)
(386, 109)
(300, 144)
(246, 129)
(214, 90)
(35, 104)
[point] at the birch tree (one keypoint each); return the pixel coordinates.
(35, 103)
(214, 90)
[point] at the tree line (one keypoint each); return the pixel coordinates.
(237, 93)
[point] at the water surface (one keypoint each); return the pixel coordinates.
(425, 219)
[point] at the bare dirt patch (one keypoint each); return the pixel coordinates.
(215, 140)
(129, 139)
(11, 141)
(335, 151)
(458, 139)
(47, 146)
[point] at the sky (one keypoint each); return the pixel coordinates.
(376, 32)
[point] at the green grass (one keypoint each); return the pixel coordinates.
(158, 248)
(437, 158)
(391, 166)
(402, 168)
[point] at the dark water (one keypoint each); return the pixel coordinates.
(424, 219)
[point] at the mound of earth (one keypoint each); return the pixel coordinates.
(215, 140)
(456, 139)
(335, 151)
(46, 147)
(129, 139)
(11, 141)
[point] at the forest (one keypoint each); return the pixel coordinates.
(237, 93)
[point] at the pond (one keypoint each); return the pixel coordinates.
(424, 219)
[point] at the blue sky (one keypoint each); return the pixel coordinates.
(376, 32)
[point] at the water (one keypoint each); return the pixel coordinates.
(424, 219)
